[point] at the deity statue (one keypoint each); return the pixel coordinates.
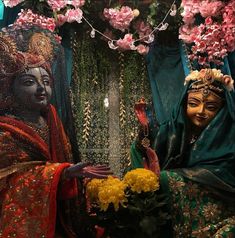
(196, 153)
(38, 180)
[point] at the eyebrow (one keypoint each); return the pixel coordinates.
(32, 76)
(201, 100)
(195, 98)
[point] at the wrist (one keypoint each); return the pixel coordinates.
(64, 175)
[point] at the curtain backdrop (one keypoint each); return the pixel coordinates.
(167, 68)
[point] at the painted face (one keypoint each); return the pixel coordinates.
(200, 110)
(32, 89)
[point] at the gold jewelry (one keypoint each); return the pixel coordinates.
(145, 142)
(40, 44)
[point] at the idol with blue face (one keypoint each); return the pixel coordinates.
(32, 89)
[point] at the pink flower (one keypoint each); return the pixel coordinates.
(127, 43)
(190, 9)
(185, 34)
(210, 8)
(30, 18)
(202, 60)
(61, 19)
(143, 29)
(188, 17)
(58, 38)
(119, 19)
(56, 5)
(142, 49)
(11, 3)
(74, 15)
(76, 3)
(208, 21)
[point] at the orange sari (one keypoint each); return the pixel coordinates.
(30, 171)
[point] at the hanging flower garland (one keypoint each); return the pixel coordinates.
(120, 18)
(214, 37)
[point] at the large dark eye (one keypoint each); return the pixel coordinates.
(192, 104)
(28, 82)
(211, 107)
(46, 82)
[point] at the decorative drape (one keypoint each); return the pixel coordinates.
(167, 68)
(1, 10)
(166, 75)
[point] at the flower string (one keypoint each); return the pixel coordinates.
(74, 13)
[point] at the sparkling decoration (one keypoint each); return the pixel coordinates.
(111, 45)
(150, 39)
(163, 27)
(173, 10)
(106, 102)
(92, 34)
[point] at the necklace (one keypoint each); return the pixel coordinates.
(193, 139)
(42, 130)
(39, 127)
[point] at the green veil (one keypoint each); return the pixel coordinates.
(210, 160)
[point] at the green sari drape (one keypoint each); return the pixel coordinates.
(207, 166)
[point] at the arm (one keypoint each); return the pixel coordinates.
(142, 155)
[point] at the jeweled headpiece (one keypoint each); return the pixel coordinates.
(21, 49)
(209, 81)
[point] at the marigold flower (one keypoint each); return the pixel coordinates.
(142, 180)
(92, 188)
(112, 191)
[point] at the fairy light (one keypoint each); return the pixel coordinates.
(162, 26)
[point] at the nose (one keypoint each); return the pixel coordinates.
(201, 109)
(40, 86)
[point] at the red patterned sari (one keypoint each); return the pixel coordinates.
(30, 171)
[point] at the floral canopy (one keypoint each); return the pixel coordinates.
(206, 26)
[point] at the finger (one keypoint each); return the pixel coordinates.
(95, 175)
(98, 167)
(97, 171)
(79, 165)
(101, 166)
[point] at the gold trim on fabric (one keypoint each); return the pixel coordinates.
(18, 167)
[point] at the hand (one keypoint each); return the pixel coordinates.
(140, 139)
(83, 169)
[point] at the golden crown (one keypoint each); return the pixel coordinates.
(208, 76)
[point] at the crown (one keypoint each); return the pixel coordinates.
(208, 78)
(11, 60)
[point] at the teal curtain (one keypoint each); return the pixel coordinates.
(1, 10)
(166, 74)
(167, 68)
(9, 15)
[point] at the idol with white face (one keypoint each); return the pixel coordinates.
(201, 110)
(32, 89)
